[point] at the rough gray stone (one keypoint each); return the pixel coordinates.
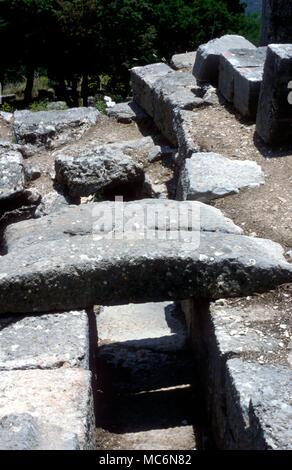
(274, 117)
(143, 79)
(161, 91)
(207, 176)
(263, 394)
(160, 151)
(127, 112)
(206, 67)
(57, 106)
(53, 128)
(184, 62)
(6, 117)
(44, 342)
(32, 172)
(147, 213)
(50, 203)
(11, 172)
(240, 78)
(46, 409)
(103, 168)
(83, 270)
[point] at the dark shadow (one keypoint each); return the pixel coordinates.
(150, 384)
(268, 151)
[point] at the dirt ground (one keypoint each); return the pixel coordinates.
(265, 211)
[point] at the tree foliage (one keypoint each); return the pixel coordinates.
(88, 38)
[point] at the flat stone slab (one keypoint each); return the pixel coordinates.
(184, 62)
(50, 203)
(99, 219)
(206, 67)
(240, 78)
(53, 128)
(46, 410)
(127, 112)
(158, 326)
(274, 117)
(44, 342)
(103, 168)
(82, 271)
(263, 394)
(207, 176)
(12, 177)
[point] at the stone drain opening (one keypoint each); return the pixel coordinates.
(148, 392)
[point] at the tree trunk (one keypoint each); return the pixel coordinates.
(84, 89)
(75, 96)
(29, 83)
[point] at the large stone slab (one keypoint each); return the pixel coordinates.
(243, 394)
(274, 117)
(127, 112)
(53, 128)
(240, 78)
(206, 67)
(44, 342)
(12, 177)
(143, 79)
(207, 176)
(183, 62)
(147, 214)
(77, 272)
(263, 401)
(103, 168)
(46, 409)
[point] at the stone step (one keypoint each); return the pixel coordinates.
(80, 271)
(103, 218)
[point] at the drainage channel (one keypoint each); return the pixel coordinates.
(147, 393)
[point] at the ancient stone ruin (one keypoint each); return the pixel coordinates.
(145, 276)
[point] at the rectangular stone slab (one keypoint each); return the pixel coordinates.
(84, 219)
(81, 271)
(274, 117)
(46, 410)
(44, 341)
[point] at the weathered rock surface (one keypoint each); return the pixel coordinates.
(156, 326)
(127, 112)
(206, 67)
(82, 271)
(11, 172)
(46, 409)
(50, 203)
(274, 117)
(103, 218)
(44, 342)
(53, 128)
(246, 407)
(7, 117)
(207, 176)
(160, 151)
(104, 168)
(32, 172)
(263, 395)
(240, 78)
(184, 62)
(161, 91)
